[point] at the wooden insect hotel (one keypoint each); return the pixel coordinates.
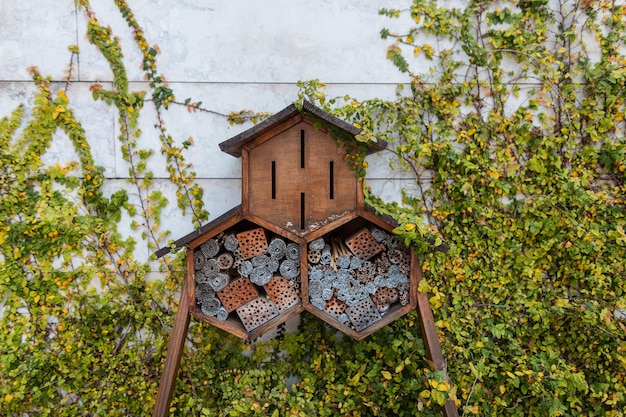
(302, 239)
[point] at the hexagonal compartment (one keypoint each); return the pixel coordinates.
(246, 279)
(359, 277)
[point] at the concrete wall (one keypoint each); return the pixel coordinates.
(231, 55)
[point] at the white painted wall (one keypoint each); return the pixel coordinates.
(231, 55)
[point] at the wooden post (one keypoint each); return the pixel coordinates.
(174, 353)
(433, 347)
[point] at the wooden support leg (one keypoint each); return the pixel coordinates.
(174, 353)
(429, 333)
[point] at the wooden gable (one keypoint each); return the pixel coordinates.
(294, 172)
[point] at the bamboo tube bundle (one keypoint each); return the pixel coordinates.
(245, 268)
(370, 288)
(260, 275)
(231, 243)
(341, 281)
(404, 297)
(208, 271)
(380, 281)
(292, 251)
(317, 244)
(316, 274)
(397, 279)
(379, 235)
(365, 273)
(210, 306)
(405, 264)
(204, 291)
(210, 268)
(210, 248)
(225, 261)
(222, 314)
(315, 289)
(239, 258)
(277, 248)
(318, 303)
(343, 262)
(327, 294)
(198, 260)
(219, 281)
(290, 268)
(328, 279)
(392, 242)
(260, 260)
(326, 255)
(273, 264)
(355, 262)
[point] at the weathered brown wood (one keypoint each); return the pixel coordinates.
(431, 341)
(231, 325)
(174, 353)
(310, 112)
(271, 126)
(273, 228)
(291, 179)
(245, 182)
(332, 225)
(199, 236)
(218, 227)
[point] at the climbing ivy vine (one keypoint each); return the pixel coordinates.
(511, 123)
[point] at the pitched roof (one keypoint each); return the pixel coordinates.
(183, 241)
(234, 145)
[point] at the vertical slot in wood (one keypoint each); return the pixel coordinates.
(302, 211)
(273, 180)
(332, 180)
(302, 149)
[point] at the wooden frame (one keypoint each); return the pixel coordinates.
(273, 198)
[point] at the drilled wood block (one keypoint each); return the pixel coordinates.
(282, 293)
(363, 245)
(237, 293)
(363, 314)
(384, 297)
(252, 243)
(257, 312)
(225, 261)
(335, 306)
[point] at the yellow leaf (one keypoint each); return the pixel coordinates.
(386, 374)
